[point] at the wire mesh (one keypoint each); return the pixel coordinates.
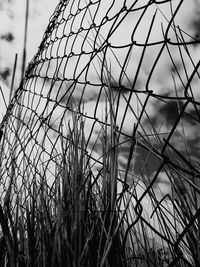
(98, 68)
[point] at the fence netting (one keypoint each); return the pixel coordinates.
(111, 98)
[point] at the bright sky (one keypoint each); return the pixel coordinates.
(12, 19)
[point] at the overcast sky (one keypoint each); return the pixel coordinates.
(12, 18)
(12, 21)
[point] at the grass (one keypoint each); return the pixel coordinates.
(84, 219)
(104, 216)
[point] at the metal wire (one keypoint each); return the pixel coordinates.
(86, 66)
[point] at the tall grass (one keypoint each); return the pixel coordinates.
(72, 223)
(84, 219)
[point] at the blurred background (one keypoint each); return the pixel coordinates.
(12, 41)
(12, 34)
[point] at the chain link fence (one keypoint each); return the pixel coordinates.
(110, 98)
